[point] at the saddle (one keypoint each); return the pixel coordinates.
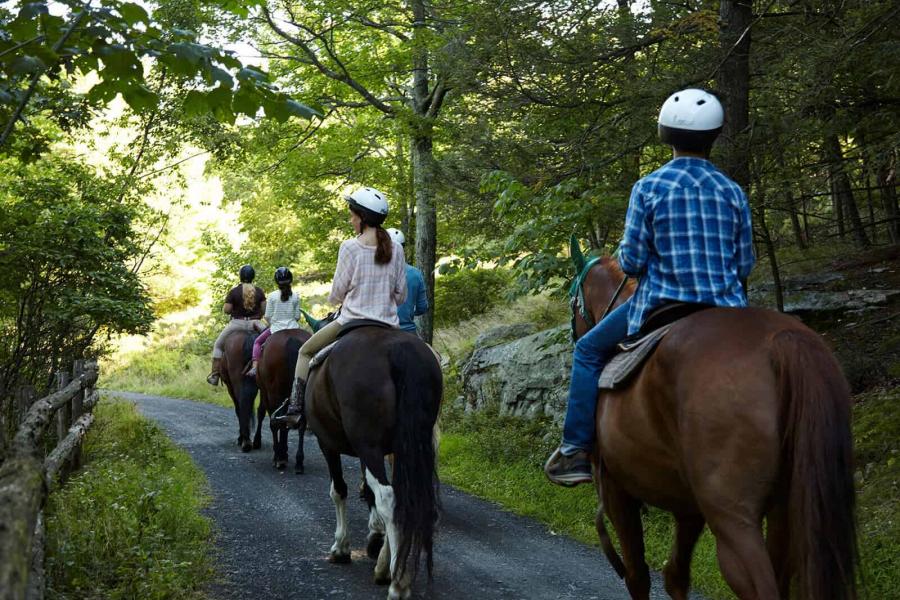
(634, 350)
(346, 328)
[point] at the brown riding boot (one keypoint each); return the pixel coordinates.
(213, 378)
(295, 415)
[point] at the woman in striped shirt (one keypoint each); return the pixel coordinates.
(282, 312)
(369, 283)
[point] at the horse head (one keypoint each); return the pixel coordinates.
(598, 287)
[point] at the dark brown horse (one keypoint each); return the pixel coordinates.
(379, 393)
(740, 415)
(238, 348)
(275, 376)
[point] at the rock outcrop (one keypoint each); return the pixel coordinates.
(527, 377)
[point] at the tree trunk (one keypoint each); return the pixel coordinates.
(773, 258)
(887, 184)
(733, 82)
(423, 168)
(842, 190)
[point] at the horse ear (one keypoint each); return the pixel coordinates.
(577, 256)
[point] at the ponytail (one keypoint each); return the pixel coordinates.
(385, 249)
(248, 291)
(285, 288)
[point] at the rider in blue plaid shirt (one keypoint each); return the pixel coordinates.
(688, 237)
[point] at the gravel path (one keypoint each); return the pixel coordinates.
(480, 550)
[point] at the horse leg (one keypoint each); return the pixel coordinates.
(340, 550)
(778, 543)
(299, 456)
(624, 513)
(376, 478)
(276, 442)
(375, 538)
(260, 416)
(677, 573)
(742, 556)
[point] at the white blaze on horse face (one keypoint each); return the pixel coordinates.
(341, 545)
(384, 501)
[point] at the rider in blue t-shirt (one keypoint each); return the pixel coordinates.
(416, 299)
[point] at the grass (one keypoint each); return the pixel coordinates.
(163, 372)
(543, 310)
(128, 525)
(876, 432)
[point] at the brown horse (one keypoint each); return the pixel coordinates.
(740, 415)
(379, 393)
(238, 348)
(275, 376)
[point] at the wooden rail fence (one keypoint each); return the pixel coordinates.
(27, 477)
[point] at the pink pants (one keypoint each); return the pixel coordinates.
(260, 340)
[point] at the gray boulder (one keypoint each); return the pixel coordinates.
(527, 377)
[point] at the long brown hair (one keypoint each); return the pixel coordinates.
(286, 292)
(384, 250)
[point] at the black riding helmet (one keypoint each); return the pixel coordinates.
(283, 275)
(247, 274)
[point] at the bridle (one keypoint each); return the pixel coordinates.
(578, 304)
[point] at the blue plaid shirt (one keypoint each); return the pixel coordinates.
(688, 237)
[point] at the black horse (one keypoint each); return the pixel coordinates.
(238, 348)
(275, 377)
(379, 393)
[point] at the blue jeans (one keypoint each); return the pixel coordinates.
(592, 352)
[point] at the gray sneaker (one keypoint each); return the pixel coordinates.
(568, 471)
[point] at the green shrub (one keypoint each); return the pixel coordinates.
(128, 525)
(467, 293)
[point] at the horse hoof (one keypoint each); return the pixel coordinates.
(299, 470)
(281, 465)
(257, 444)
(373, 548)
(382, 579)
(246, 446)
(339, 559)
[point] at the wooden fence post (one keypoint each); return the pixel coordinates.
(63, 418)
(36, 585)
(78, 370)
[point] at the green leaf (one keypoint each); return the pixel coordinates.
(140, 98)
(220, 75)
(103, 92)
(195, 104)
(24, 65)
(32, 10)
(133, 13)
(246, 101)
(301, 110)
(219, 101)
(252, 74)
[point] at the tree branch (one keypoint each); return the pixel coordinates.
(343, 77)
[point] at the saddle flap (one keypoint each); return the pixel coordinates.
(628, 362)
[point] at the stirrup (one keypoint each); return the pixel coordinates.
(280, 413)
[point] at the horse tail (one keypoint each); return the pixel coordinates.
(415, 479)
(818, 459)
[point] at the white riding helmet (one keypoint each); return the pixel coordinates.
(370, 203)
(397, 236)
(691, 120)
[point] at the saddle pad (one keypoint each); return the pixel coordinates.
(321, 355)
(626, 364)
